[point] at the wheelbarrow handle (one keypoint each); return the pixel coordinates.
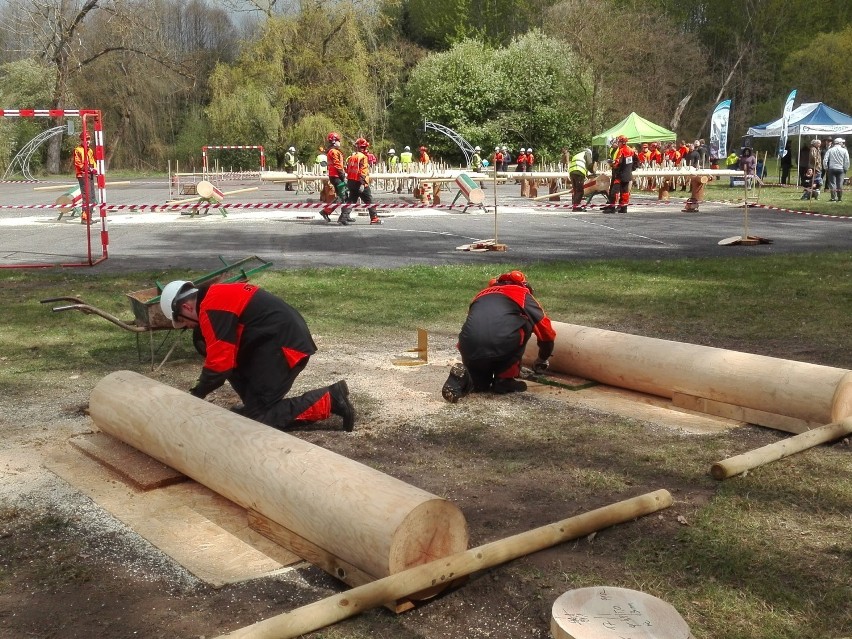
(76, 300)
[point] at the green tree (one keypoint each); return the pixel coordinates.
(821, 69)
(23, 84)
(533, 92)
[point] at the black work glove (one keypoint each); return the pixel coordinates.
(540, 365)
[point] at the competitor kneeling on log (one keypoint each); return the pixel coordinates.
(500, 321)
(258, 343)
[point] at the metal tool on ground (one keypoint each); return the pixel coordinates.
(146, 308)
(211, 195)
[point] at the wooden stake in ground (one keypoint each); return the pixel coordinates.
(779, 450)
(352, 602)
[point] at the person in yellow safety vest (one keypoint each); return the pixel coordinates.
(321, 161)
(358, 182)
(290, 165)
(406, 157)
(85, 169)
(393, 160)
(476, 160)
(579, 169)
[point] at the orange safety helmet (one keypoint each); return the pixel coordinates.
(514, 277)
(622, 139)
(361, 143)
(423, 148)
(334, 136)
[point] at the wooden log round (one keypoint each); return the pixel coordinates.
(606, 612)
(367, 518)
(352, 602)
(809, 392)
(780, 449)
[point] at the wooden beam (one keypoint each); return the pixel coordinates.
(352, 602)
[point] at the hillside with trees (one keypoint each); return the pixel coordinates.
(172, 75)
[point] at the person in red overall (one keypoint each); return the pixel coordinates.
(358, 183)
(623, 163)
(259, 344)
(336, 173)
(530, 160)
(500, 321)
(521, 161)
(497, 160)
(85, 169)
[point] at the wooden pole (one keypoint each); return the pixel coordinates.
(352, 602)
(370, 520)
(809, 392)
(779, 450)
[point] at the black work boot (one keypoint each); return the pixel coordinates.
(459, 384)
(622, 209)
(344, 218)
(340, 404)
(504, 386)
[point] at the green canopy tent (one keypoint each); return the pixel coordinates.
(636, 129)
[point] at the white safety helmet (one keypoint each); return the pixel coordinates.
(292, 149)
(476, 148)
(505, 148)
(391, 151)
(496, 148)
(408, 148)
(529, 150)
(174, 292)
(523, 150)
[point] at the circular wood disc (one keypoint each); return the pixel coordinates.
(728, 241)
(204, 189)
(604, 612)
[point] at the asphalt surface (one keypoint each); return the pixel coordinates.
(143, 239)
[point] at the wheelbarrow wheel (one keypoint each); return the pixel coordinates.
(198, 341)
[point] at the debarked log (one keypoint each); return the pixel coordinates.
(368, 519)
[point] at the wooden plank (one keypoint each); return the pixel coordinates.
(319, 557)
(741, 413)
(144, 472)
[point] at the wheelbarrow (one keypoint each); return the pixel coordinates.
(147, 315)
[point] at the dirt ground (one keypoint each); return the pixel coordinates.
(80, 573)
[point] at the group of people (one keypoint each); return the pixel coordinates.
(259, 344)
(502, 159)
(350, 180)
(822, 164)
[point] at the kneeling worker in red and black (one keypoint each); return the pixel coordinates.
(358, 183)
(500, 321)
(258, 343)
(623, 163)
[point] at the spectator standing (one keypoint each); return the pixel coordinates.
(786, 163)
(836, 165)
(406, 158)
(393, 161)
(423, 156)
(530, 159)
(521, 161)
(815, 158)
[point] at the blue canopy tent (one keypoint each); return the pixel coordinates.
(812, 118)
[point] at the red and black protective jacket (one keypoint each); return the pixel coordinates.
(501, 319)
(237, 318)
(358, 169)
(625, 160)
(334, 157)
(530, 160)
